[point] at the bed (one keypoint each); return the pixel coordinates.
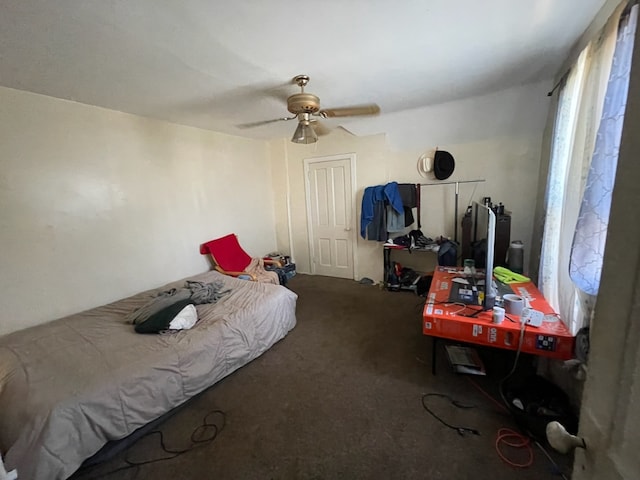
(69, 386)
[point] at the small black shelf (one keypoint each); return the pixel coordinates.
(387, 265)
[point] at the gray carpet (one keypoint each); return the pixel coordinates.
(340, 398)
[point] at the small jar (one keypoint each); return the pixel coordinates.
(469, 265)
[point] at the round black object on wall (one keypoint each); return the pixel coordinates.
(443, 164)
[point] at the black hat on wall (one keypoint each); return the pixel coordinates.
(443, 164)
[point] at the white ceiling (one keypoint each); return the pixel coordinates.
(216, 64)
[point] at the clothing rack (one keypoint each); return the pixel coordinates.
(457, 184)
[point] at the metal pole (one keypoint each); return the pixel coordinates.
(451, 183)
(455, 215)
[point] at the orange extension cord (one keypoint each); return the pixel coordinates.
(508, 437)
(514, 439)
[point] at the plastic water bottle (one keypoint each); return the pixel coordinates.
(515, 256)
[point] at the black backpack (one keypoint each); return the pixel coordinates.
(448, 254)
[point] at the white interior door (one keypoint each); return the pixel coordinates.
(330, 212)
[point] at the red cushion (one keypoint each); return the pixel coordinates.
(227, 253)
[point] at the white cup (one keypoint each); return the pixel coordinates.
(513, 304)
(498, 314)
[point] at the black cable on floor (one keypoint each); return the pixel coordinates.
(203, 434)
(455, 403)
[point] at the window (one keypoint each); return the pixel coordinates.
(582, 168)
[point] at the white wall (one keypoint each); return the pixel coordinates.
(495, 137)
(96, 205)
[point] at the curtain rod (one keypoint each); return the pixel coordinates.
(563, 78)
(625, 12)
(451, 183)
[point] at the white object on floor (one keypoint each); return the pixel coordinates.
(4, 475)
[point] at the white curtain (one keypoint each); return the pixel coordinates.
(579, 111)
(591, 230)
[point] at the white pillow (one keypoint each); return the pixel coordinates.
(186, 319)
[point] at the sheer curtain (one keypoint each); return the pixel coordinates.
(591, 230)
(579, 111)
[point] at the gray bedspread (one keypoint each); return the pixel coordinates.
(70, 385)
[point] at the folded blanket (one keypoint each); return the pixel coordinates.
(256, 268)
(198, 292)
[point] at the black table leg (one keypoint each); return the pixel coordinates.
(386, 262)
(434, 343)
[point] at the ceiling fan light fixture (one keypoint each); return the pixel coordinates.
(304, 133)
(304, 105)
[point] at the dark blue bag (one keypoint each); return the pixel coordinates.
(448, 254)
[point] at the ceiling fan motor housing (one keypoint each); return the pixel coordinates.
(303, 103)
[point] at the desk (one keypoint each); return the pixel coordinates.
(446, 320)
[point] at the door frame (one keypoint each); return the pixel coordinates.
(352, 221)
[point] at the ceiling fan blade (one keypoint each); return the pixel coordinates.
(320, 128)
(263, 122)
(370, 109)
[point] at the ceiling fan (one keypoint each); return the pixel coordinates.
(304, 106)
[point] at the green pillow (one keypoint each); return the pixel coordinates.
(160, 320)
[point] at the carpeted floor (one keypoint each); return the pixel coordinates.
(340, 398)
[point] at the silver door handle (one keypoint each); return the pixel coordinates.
(348, 229)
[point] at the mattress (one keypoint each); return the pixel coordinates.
(69, 386)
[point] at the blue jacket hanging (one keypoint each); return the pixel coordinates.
(379, 193)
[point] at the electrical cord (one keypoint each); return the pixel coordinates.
(420, 305)
(515, 363)
(503, 438)
(514, 439)
(553, 462)
(464, 306)
(476, 312)
(461, 430)
(500, 406)
(508, 437)
(462, 309)
(198, 438)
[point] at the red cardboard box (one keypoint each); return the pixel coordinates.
(445, 319)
